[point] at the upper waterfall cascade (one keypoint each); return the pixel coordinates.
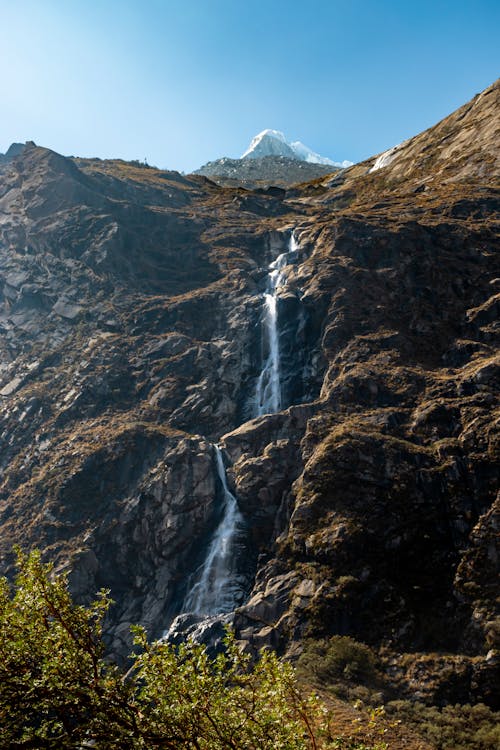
(268, 397)
(215, 590)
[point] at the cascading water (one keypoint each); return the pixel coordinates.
(215, 589)
(268, 391)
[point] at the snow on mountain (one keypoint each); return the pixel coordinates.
(273, 143)
(306, 154)
(386, 158)
(269, 143)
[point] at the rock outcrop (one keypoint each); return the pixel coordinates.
(14, 150)
(130, 342)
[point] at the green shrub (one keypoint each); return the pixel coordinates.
(55, 689)
(459, 727)
(339, 657)
(58, 692)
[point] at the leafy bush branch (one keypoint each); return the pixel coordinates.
(58, 691)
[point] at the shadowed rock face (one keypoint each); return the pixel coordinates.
(130, 342)
(14, 150)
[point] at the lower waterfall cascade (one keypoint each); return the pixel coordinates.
(215, 590)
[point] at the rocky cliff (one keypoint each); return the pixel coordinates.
(132, 340)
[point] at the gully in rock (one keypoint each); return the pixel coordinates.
(268, 398)
(215, 589)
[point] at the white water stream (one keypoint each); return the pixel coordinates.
(268, 390)
(214, 590)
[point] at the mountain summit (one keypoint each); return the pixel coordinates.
(273, 143)
(271, 160)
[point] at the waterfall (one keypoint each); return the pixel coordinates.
(268, 390)
(215, 589)
(219, 585)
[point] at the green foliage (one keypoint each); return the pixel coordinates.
(460, 727)
(57, 691)
(339, 657)
(222, 703)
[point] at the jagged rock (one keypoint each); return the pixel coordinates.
(209, 631)
(14, 150)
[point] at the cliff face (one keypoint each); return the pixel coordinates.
(132, 338)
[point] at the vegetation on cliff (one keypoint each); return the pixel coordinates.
(342, 667)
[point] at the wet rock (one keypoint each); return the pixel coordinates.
(209, 631)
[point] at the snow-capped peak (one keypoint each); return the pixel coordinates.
(272, 133)
(273, 143)
(269, 143)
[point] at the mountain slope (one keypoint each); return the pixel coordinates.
(133, 337)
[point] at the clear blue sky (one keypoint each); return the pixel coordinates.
(185, 81)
